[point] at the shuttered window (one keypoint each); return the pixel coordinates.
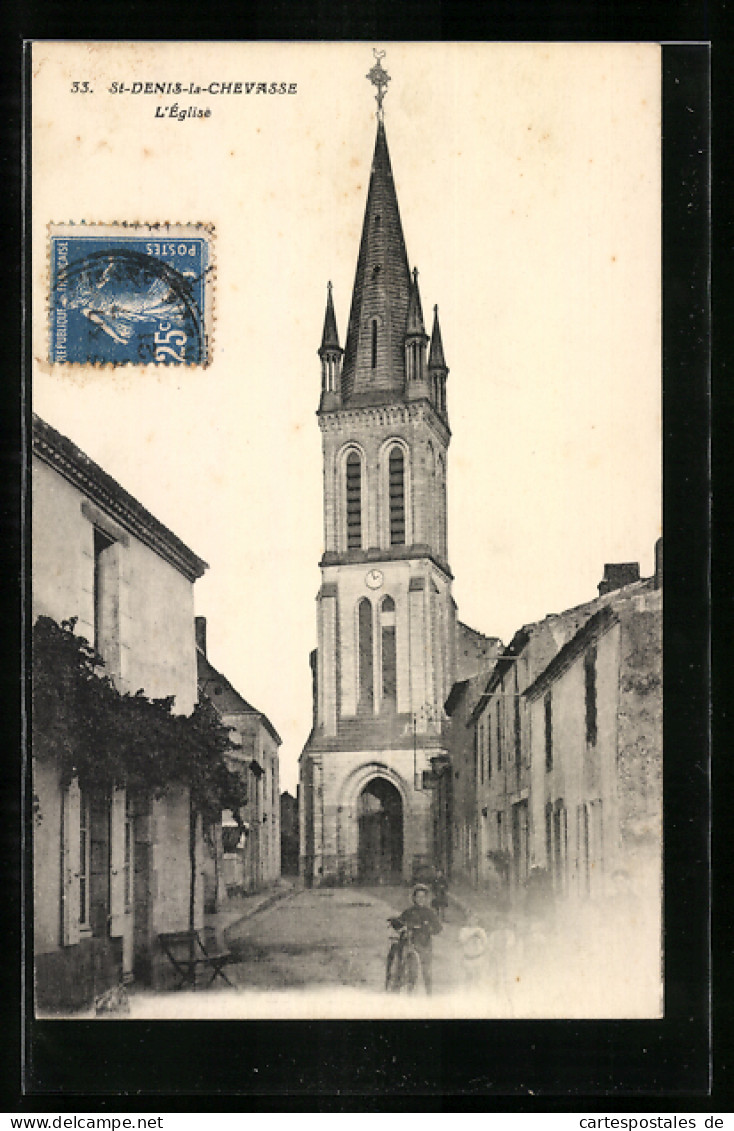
(397, 497)
(590, 694)
(354, 501)
(548, 708)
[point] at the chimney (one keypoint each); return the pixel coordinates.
(201, 634)
(617, 574)
(659, 564)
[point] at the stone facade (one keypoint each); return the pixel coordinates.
(560, 754)
(596, 717)
(99, 556)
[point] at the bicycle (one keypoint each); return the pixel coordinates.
(403, 969)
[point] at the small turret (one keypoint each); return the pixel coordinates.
(416, 343)
(438, 370)
(331, 355)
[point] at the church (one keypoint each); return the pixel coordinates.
(390, 645)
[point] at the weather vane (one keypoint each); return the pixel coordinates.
(380, 78)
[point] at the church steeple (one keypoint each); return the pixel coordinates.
(374, 355)
(330, 353)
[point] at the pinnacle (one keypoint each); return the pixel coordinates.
(436, 359)
(415, 323)
(330, 336)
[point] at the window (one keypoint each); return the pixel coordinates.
(590, 694)
(488, 735)
(548, 708)
(389, 654)
(499, 732)
(128, 869)
(354, 501)
(397, 497)
(102, 545)
(374, 343)
(364, 630)
(518, 728)
(479, 735)
(84, 859)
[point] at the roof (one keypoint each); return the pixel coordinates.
(415, 325)
(563, 628)
(436, 359)
(330, 336)
(381, 292)
(595, 627)
(224, 697)
(59, 453)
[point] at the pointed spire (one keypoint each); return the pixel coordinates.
(415, 311)
(330, 336)
(374, 356)
(436, 359)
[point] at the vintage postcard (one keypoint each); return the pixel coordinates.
(347, 577)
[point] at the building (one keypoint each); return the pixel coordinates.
(389, 642)
(509, 808)
(595, 716)
(110, 869)
(250, 839)
(289, 834)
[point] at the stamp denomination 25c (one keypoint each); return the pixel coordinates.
(130, 294)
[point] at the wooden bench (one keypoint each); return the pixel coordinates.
(188, 953)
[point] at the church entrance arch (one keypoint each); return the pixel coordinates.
(380, 821)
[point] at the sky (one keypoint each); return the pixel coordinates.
(528, 179)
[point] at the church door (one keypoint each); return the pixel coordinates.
(380, 812)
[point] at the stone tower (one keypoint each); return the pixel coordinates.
(387, 628)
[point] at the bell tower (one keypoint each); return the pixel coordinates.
(386, 619)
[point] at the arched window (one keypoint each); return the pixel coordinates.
(374, 342)
(365, 649)
(354, 501)
(389, 654)
(397, 497)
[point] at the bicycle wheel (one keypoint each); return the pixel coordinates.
(413, 971)
(392, 970)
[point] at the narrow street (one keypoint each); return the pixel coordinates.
(320, 953)
(330, 938)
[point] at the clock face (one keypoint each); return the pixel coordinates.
(374, 578)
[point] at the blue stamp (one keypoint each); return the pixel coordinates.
(132, 294)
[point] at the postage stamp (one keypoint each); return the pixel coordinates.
(130, 294)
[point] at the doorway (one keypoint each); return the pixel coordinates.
(380, 815)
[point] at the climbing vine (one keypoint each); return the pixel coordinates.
(109, 739)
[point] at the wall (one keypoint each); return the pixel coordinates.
(152, 648)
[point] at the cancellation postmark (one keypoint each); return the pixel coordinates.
(130, 294)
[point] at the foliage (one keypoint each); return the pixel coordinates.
(108, 739)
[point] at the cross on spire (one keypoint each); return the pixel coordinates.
(379, 77)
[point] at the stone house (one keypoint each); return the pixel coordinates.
(245, 852)
(110, 871)
(493, 768)
(596, 749)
